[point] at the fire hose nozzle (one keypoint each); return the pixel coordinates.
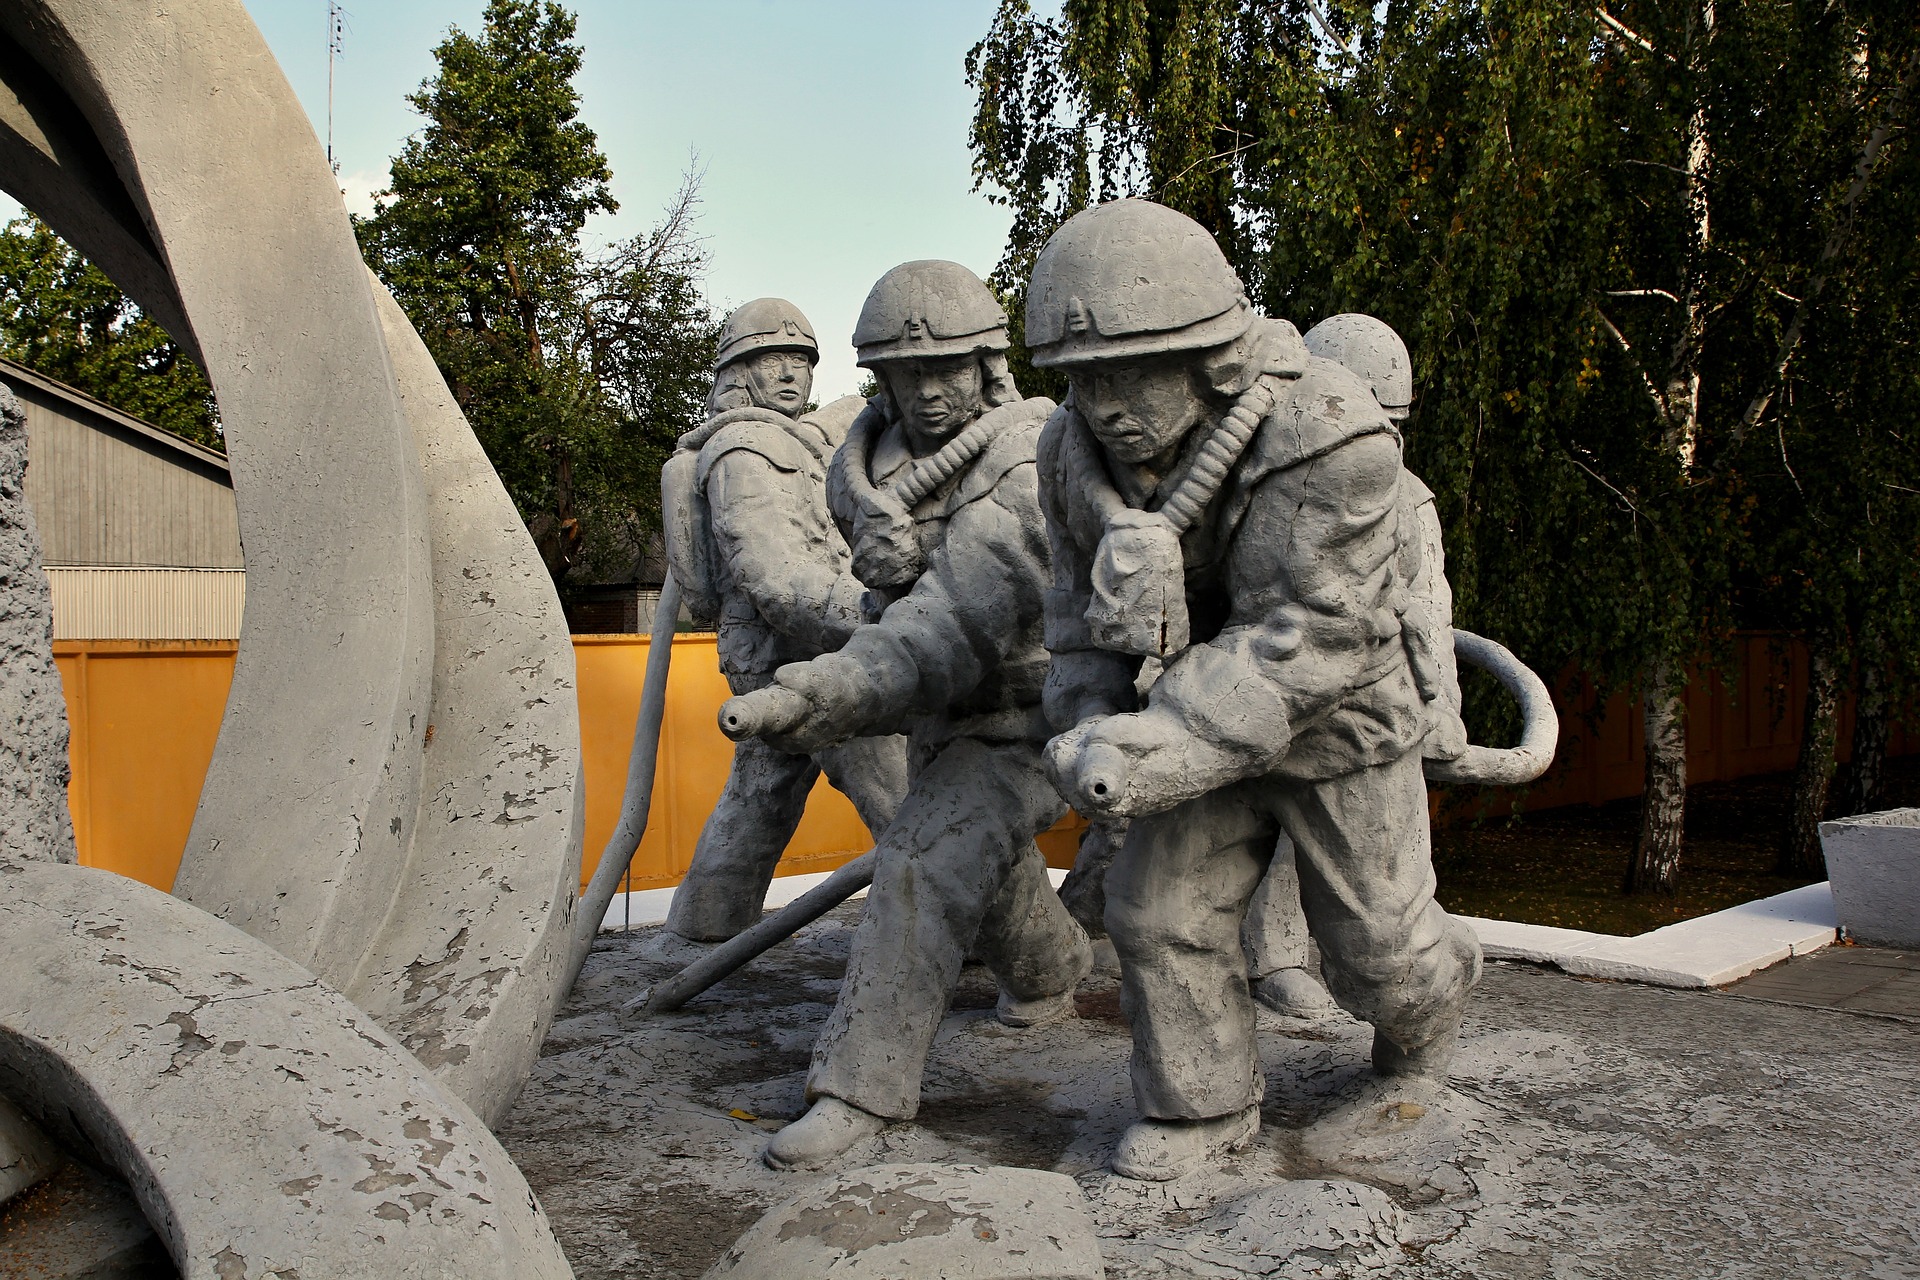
(772, 710)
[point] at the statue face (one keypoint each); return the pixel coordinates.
(936, 397)
(778, 380)
(1139, 409)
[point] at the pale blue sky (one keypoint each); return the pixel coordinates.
(832, 132)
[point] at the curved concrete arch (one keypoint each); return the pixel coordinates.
(475, 953)
(318, 757)
(394, 801)
(266, 1127)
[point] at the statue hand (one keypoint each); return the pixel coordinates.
(1090, 767)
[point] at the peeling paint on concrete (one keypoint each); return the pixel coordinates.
(265, 1127)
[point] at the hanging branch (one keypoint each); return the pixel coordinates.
(1863, 167)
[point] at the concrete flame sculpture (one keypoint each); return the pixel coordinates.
(390, 588)
(394, 804)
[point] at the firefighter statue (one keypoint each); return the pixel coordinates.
(936, 488)
(758, 556)
(1222, 501)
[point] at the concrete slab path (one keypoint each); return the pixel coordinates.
(1600, 1130)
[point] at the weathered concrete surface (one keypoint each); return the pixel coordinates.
(266, 1127)
(1872, 980)
(184, 130)
(907, 1221)
(34, 820)
(1603, 1130)
(1874, 862)
(35, 824)
(475, 952)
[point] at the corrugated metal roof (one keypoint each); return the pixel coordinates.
(17, 374)
(108, 489)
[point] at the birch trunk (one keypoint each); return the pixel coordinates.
(1663, 804)
(1813, 773)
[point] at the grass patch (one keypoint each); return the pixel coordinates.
(1565, 866)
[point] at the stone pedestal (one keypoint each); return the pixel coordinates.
(1873, 861)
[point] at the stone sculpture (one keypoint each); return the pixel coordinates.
(758, 556)
(1222, 500)
(35, 822)
(1276, 933)
(936, 488)
(391, 589)
(392, 814)
(266, 1126)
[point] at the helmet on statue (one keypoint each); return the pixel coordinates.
(1131, 278)
(765, 324)
(1370, 349)
(928, 308)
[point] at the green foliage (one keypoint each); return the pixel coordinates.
(61, 316)
(576, 369)
(1591, 226)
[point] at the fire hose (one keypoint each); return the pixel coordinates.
(1483, 766)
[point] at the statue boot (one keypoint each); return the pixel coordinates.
(1295, 993)
(1162, 1150)
(829, 1130)
(1040, 1011)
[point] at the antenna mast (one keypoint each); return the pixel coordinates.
(336, 41)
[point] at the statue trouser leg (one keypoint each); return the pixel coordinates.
(1275, 940)
(871, 772)
(726, 886)
(1085, 888)
(957, 862)
(1390, 955)
(1275, 933)
(1176, 896)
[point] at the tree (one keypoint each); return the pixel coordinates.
(1553, 204)
(61, 316)
(1830, 466)
(577, 370)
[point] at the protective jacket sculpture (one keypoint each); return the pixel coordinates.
(936, 488)
(1218, 498)
(1275, 933)
(757, 556)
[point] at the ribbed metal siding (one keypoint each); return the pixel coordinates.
(104, 494)
(92, 603)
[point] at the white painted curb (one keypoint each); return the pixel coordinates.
(1709, 951)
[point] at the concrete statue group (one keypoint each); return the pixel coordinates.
(1202, 602)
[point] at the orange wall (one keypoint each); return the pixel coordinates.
(145, 714)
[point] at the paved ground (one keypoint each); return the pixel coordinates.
(1857, 979)
(1598, 1130)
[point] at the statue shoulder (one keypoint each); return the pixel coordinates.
(773, 444)
(833, 419)
(1322, 409)
(1015, 444)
